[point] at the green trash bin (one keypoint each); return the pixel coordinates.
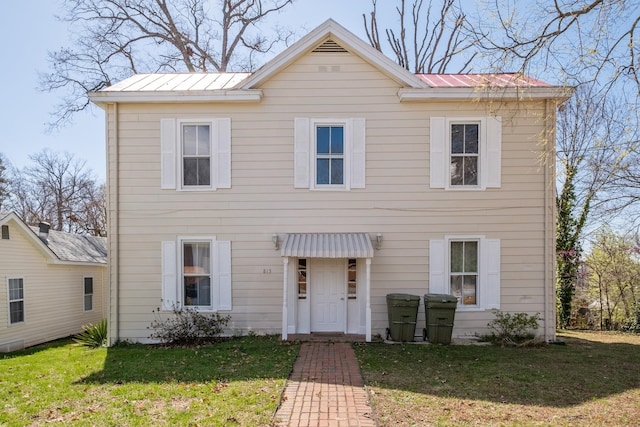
(403, 314)
(440, 311)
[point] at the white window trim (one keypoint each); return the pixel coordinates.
(9, 301)
(84, 295)
(173, 274)
(213, 257)
(481, 247)
(171, 153)
(482, 151)
(488, 286)
(489, 152)
(346, 178)
(354, 153)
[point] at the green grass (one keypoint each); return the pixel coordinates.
(593, 380)
(236, 382)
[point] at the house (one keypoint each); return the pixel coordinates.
(297, 197)
(52, 283)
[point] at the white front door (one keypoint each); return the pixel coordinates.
(328, 288)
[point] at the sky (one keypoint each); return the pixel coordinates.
(29, 30)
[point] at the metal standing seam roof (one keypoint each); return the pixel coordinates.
(191, 82)
(168, 82)
(327, 245)
(502, 80)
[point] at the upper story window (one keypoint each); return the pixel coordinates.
(465, 153)
(464, 147)
(15, 287)
(329, 153)
(88, 293)
(196, 155)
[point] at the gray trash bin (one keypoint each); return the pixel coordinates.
(440, 311)
(403, 314)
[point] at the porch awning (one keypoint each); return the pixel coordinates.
(327, 245)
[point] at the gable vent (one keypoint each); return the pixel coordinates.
(330, 47)
(5, 232)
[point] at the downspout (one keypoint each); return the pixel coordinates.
(549, 223)
(113, 209)
(285, 315)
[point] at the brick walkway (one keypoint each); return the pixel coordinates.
(325, 389)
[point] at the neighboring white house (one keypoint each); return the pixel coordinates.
(53, 283)
(297, 197)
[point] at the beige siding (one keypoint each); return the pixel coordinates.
(396, 202)
(53, 294)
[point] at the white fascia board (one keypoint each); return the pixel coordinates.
(200, 96)
(454, 94)
(345, 38)
(58, 261)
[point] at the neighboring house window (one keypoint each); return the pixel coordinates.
(195, 154)
(352, 278)
(302, 278)
(88, 293)
(467, 267)
(465, 153)
(16, 300)
(196, 272)
(329, 153)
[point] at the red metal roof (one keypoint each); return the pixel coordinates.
(480, 80)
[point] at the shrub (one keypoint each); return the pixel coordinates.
(189, 327)
(515, 329)
(632, 324)
(93, 336)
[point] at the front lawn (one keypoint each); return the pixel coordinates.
(592, 380)
(236, 382)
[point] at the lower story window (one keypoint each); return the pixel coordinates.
(197, 273)
(16, 300)
(463, 273)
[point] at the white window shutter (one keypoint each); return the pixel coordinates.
(438, 158)
(302, 147)
(358, 156)
(437, 267)
(168, 148)
(224, 275)
(170, 293)
(222, 151)
(494, 152)
(490, 268)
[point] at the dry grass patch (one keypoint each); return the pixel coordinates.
(592, 380)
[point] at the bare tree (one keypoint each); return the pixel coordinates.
(425, 43)
(55, 189)
(91, 215)
(116, 38)
(582, 41)
(4, 181)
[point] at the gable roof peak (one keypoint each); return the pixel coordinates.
(337, 37)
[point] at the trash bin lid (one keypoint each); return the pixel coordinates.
(403, 297)
(440, 298)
